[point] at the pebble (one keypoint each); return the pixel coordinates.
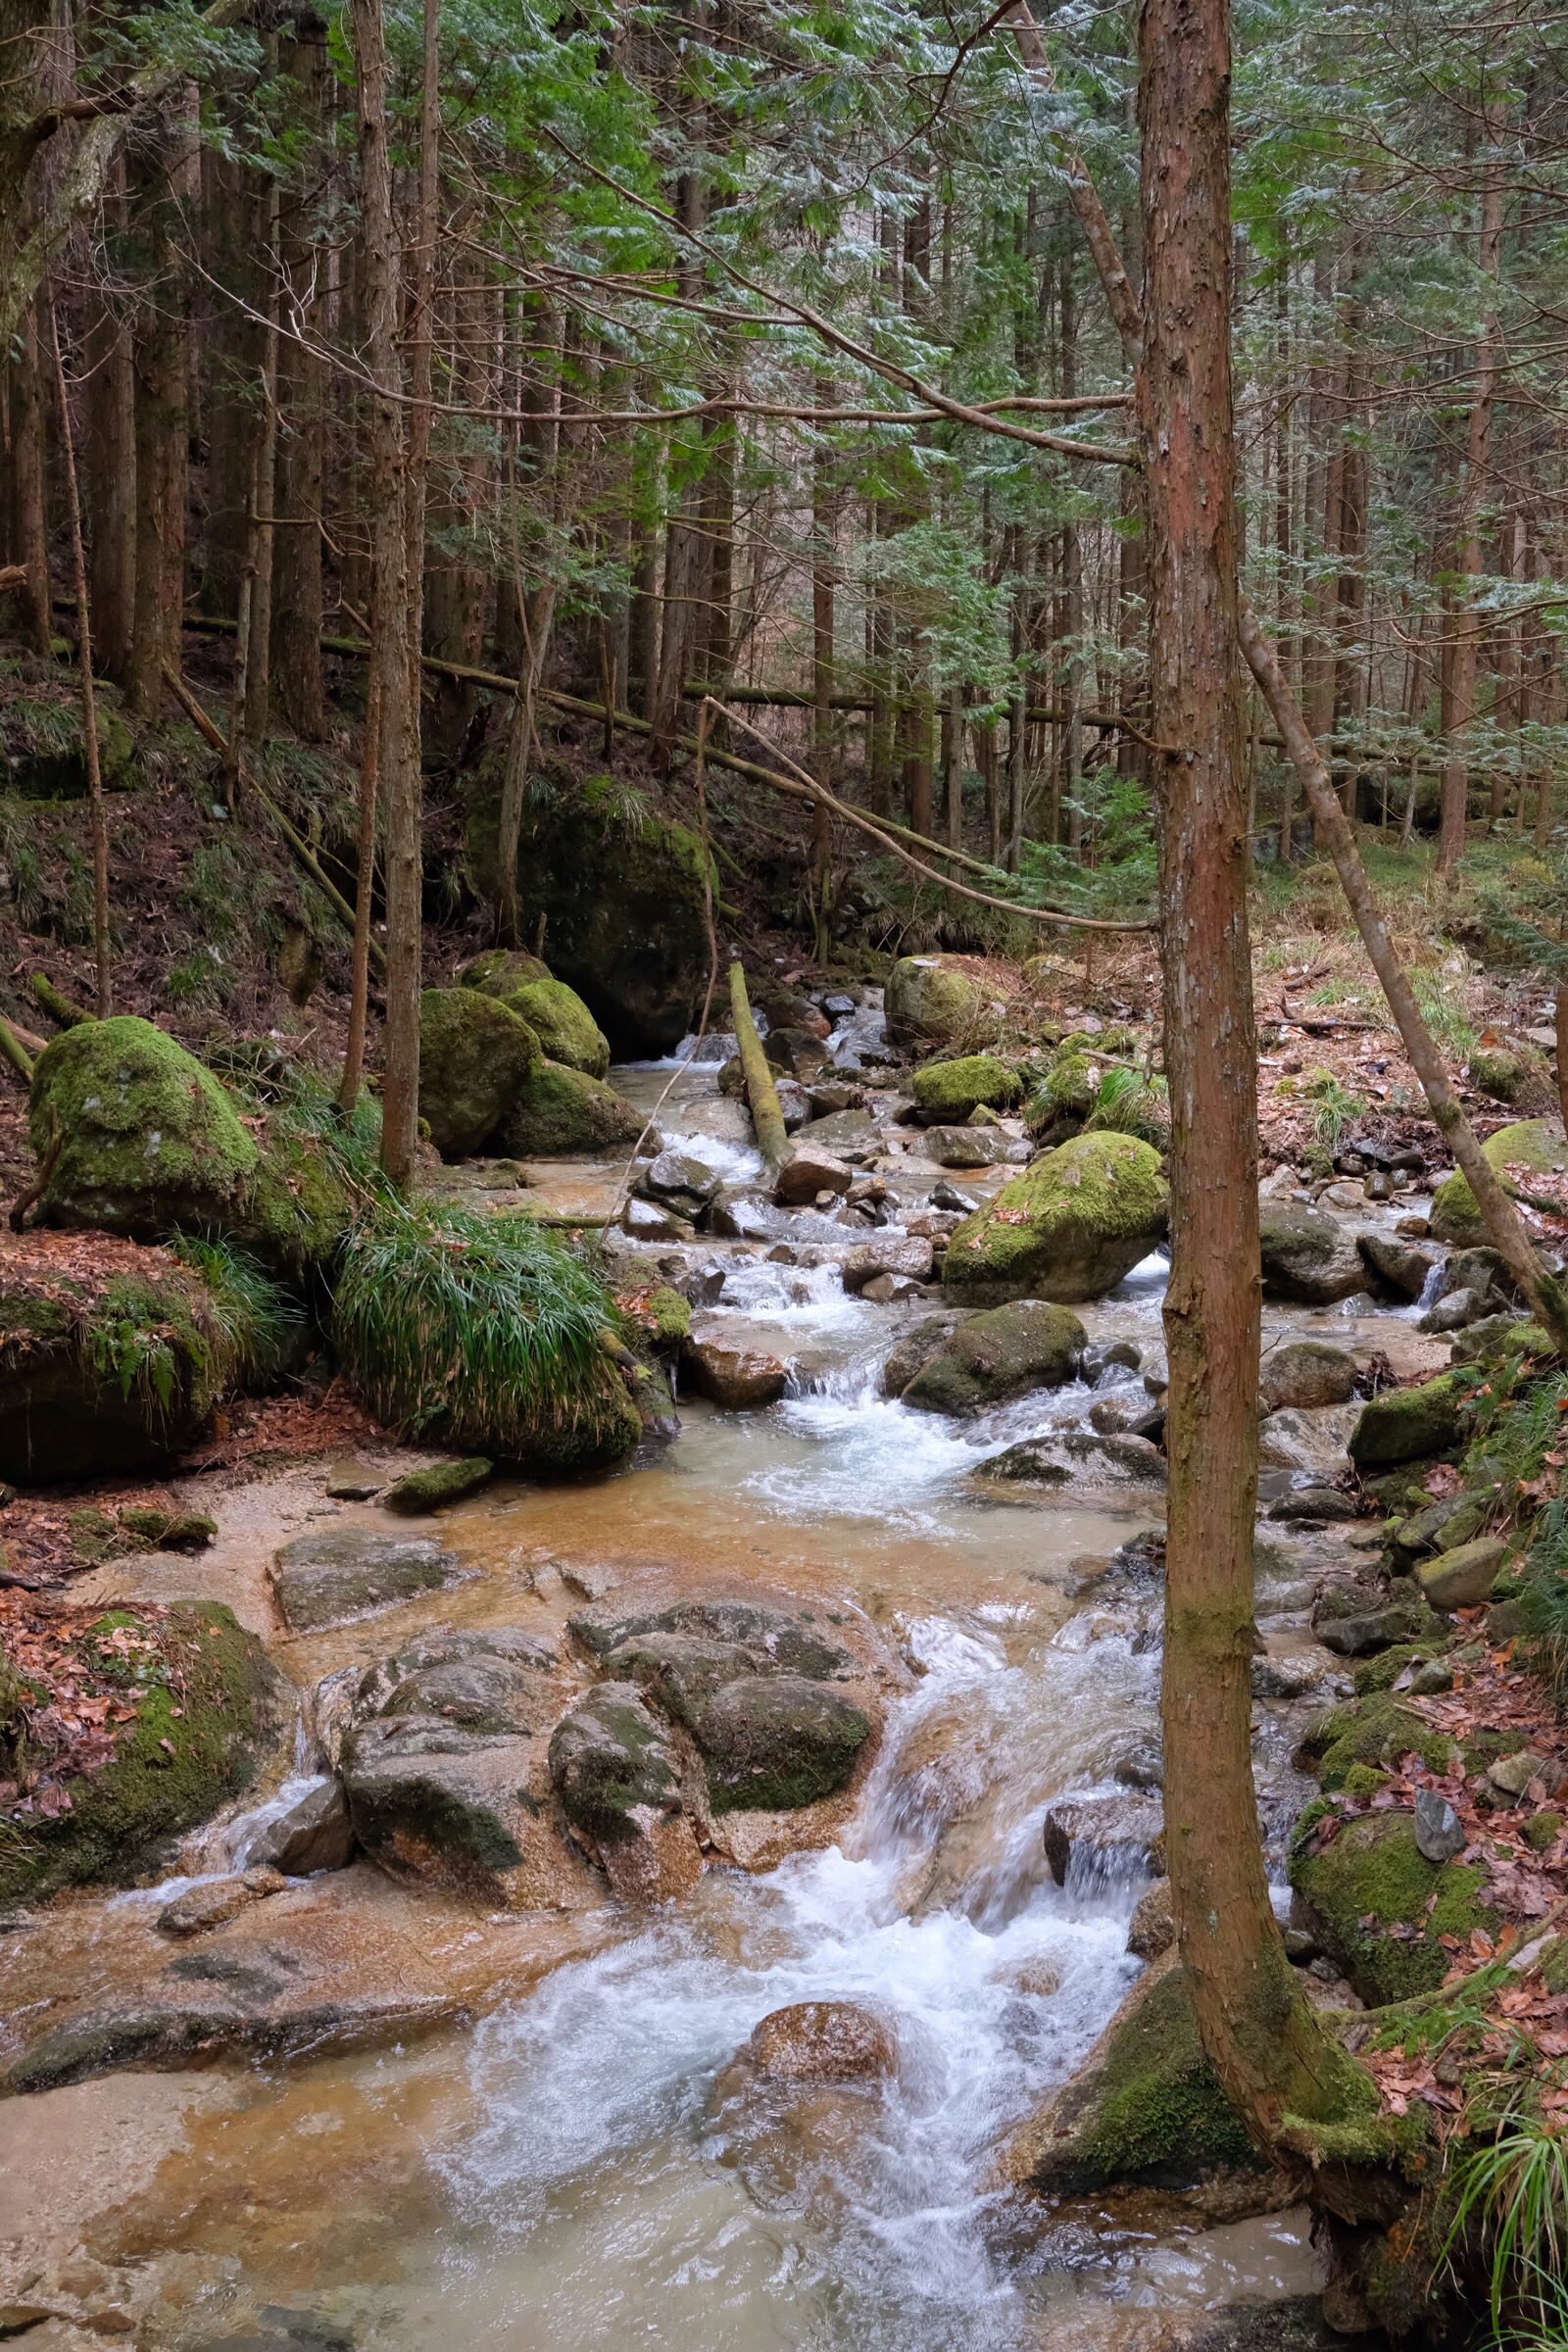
(1438, 1835)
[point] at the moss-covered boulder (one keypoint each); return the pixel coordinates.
(1067, 1091)
(1517, 1076)
(949, 1090)
(1375, 1731)
(1067, 1229)
(1004, 1352)
(611, 1758)
(927, 1001)
(1371, 1879)
(1535, 1144)
(1404, 1425)
(204, 1702)
(778, 1741)
(474, 1053)
(151, 1140)
(559, 1113)
(566, 1030)
(112, 1356)
(1308, 1260)
(47, 747)
(1146, 2105)
(152, 1143)
(621, 894)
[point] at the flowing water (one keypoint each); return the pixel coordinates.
(596, 2162)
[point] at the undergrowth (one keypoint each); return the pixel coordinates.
(252, 1320)
(439, 1311)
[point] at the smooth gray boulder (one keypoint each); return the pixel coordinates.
(335, 1575)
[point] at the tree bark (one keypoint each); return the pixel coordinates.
(109, 468)
(390, 637)
(161, 360)
(89, 712)
(1478, 464)
(27, 448)
(297, 604)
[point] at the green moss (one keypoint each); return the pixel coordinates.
(1370, 1675)
(1374, 1871)
(1405, 1423)
(1363, 1780)
(1069, 1090)
(776, 1743)
(474, 1053)
(672, 1316)
(151, 1138)
(1543, 1830)
(949, 1090)
(609, 1758)
(441, 1482)
(1375, 1730)
(1067, 1229)
(559, 1113)
(207, 1700)
(926, 999)
(1533, 1144)
(566, 1030)
(499, 970)
(997, 1355)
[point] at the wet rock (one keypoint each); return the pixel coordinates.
(808, 1171)
(1456, 1312)
(1002, 1354)
(778, 1744)
(947, 1092)
(1498, 1335)
(1104, 1840)
(1052, 1461)
(1439, 1834)
(794, 1641)
(1308, 1258)
(823, 2042)
(1397, 1263)
(474, 1053)
(1067, 1229)
(617, 1776)
(889, 1253)
(1364, 1636)
(352, 1480)
(890, 1289)
(1144, 2104)
(315, 1834)
(1406, 1424)
(913, 1350)
(440, 1482)
(835, 1095)
(797, 1053)
(1535, 1144)
(1104, 1355)
(965, 1148)
(336, 1575)
(926, 1001)
(559, 1113)
(945, 1196)
(216, 1901)
(1152, 1929)
(446, 1772)
(1314, 1505)
(562, 1023)
(1462, 1577)
(681, 1177)
(1431, 1680)
(655, 1221)
(849, 1134)
(737, 1376)
(1453, 1519)
(1306, 1373)
(1307, 1440)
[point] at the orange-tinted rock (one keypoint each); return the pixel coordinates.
(823, 2042)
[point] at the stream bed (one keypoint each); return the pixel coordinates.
(582, 2156)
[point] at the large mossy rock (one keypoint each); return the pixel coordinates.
(1536, 1144)
(153, 1143)
(926, 1002)
(623, 899)
(1374, 1730)
(1146, 2105)
(566, 1030)
(609, 1759)
(1373, 1878)
(778, 1741)
(1404, 1425)
(1005, 1353)
(446, 1766)
(112, 1356)
(474, 1053)
(50, 763)
(949, 1090)
(1067, 1229)
(207, 1702)
(1308, 1260)
(559, 1113)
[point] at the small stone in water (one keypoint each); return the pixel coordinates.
(823, 2042)
(353, 1481)
(1439, 1836)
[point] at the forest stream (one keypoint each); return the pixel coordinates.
(566, 2146)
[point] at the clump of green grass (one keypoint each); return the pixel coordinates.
(1132, 1102)
(252, 1319)
(455, 1322)
(1515, 2189)
(1443, 1010)
(1336, 1105)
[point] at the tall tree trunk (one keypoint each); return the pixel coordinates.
(28, 410)
(1257, 2027)
(296, 603)
(824, 531)
(109, 470)
(390, 639)
(162, 362)
(104, 1003)
(1478, 465)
